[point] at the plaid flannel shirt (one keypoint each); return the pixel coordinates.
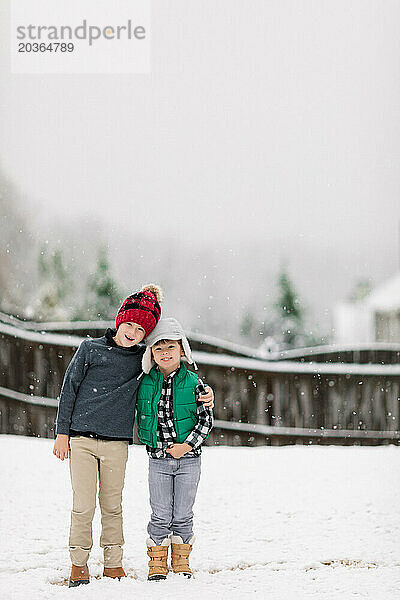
(166, 434)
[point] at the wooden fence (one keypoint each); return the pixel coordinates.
(257, 401)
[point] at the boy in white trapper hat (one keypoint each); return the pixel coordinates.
(173, 422)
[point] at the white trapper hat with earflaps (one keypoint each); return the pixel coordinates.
(166, 329)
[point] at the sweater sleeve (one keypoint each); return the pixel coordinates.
(73, 378)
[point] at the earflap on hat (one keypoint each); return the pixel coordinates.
(188, 352)
(147, 360)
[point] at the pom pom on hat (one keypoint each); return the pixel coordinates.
(157, 291)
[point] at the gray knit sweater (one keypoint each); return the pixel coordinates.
(99, 391)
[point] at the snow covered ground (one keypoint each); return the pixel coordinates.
(282, 523)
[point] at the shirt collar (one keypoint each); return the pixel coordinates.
(171, 375)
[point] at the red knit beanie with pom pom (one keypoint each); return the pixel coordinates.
(142, 308)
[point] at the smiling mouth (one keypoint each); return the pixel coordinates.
(129, 339)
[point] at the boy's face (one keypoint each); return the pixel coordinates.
(129, 334)
(167, 355)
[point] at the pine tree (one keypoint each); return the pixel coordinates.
(54, 287)
(247, 325)
(104, 297)
(290, 313)
(361, 291)
(16, 260)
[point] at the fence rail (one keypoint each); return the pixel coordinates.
(257, 401)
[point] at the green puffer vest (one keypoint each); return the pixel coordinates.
(183, 404)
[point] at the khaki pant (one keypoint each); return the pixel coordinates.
(105, 461)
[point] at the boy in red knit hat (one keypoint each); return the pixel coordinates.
(95, 425)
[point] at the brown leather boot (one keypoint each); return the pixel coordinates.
(180, 556)
(114, 572)
(79, 576)
(158, 568)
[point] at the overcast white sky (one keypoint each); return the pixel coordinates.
(262, 120)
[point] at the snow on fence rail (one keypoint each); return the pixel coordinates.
(294, 367)
(362, 353)
(257, 401)
(341, 348)
(302, 432)
(97, 328)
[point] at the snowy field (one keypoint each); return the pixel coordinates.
(282, 523)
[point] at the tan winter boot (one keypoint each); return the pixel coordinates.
(114, 572)
(180, 555)
(79, 576)
(158, 568)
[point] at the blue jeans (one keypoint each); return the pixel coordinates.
(173, 486)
